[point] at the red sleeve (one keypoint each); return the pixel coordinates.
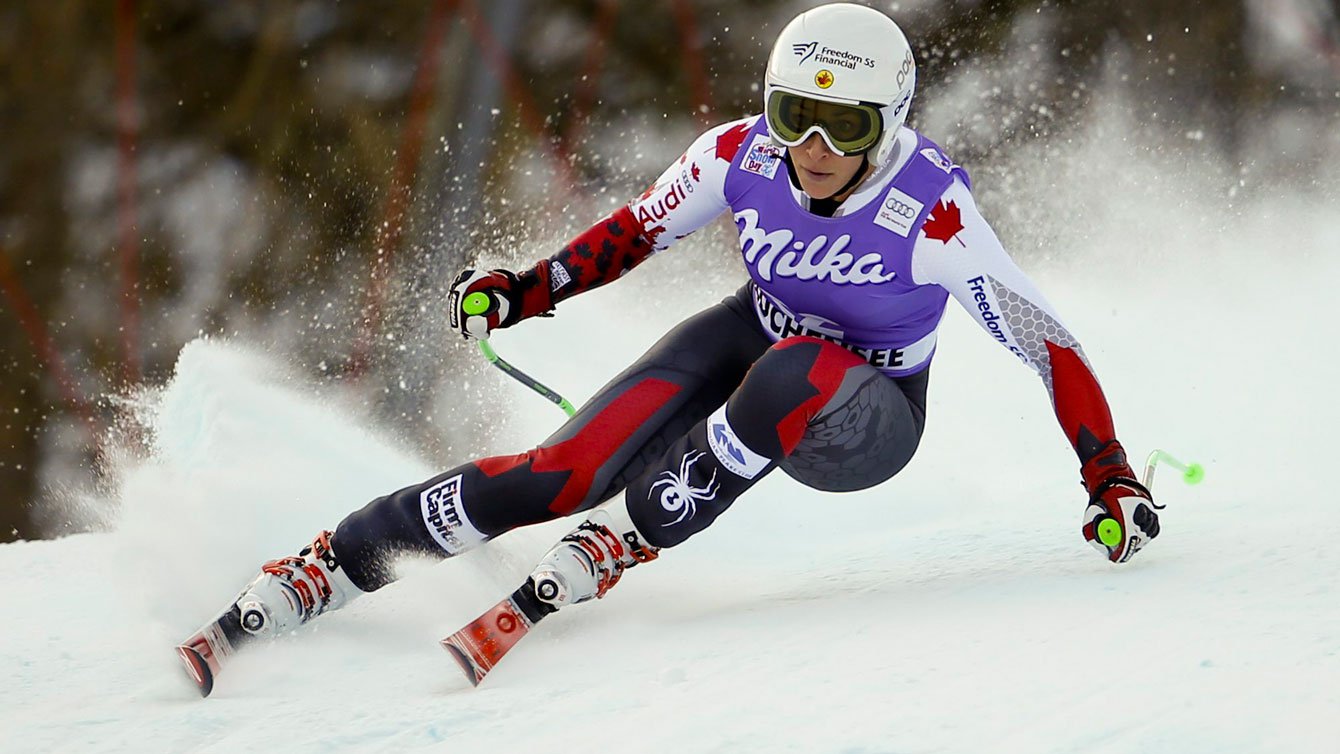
(1085, 418)
(686, 197)
(598, 255)
(1080, 404)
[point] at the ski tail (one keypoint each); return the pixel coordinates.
(482, 643)
(206, 652)
(199, 667)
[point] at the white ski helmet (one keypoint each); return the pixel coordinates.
(843, 54)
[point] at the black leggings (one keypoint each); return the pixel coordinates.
(658, 432)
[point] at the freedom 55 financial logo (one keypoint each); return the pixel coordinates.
(831, 56)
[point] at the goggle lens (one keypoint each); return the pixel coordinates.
(853, 129)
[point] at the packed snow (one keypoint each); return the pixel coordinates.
(953, 609)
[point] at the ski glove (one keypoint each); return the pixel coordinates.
(1121, 516)
(502, 297)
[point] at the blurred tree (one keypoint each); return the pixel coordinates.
(270, 137)
(40, 69)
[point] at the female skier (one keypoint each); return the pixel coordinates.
(855, 230)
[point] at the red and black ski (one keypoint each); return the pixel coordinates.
(482, 643)
(477, 648)
(206, 651)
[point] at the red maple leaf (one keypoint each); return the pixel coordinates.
(729, 142)
(944, 223)
(695, 171)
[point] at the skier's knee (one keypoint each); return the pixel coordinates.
(541, 495)
(800, 365)
(791, 384)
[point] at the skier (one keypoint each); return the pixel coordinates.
(855, 230)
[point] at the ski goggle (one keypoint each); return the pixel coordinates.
(847, 129)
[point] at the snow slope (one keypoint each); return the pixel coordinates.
(953, 609)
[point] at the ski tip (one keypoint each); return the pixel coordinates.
(197, 669)
(472, 671)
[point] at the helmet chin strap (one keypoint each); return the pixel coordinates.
(856, 177)
(850, 184)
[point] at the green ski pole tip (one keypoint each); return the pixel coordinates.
(476, 303)
(1109, 532)
(1194, 474)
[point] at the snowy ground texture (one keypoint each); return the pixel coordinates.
(954, 609)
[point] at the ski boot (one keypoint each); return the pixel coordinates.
(584, 565)
(589, 561)
(287, 593)
(291, 591)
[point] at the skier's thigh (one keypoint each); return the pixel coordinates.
(864, 440)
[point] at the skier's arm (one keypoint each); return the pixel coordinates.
(962, 254)
(687, 196)
(973, 266)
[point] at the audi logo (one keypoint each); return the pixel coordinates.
(899, 208)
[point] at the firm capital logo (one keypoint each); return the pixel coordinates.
(442, 514)
(823, 79)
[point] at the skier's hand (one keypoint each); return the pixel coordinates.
(481, 302)
(1121, 520)
(1120, 517)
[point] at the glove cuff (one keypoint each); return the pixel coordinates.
(1122, 481)
(534, 292)
(1107, 467)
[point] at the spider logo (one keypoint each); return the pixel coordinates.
(677, 495)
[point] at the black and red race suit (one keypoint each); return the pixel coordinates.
(744, 386)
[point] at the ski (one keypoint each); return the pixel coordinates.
(206, 651)
(482, 643)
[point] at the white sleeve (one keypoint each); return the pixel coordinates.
(692, 192)
(959, 251)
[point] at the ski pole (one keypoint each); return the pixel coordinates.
(1192, 473)
(1109, 531)
(479, 303)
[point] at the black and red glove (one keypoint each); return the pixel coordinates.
(503, 299)
(1121, 517)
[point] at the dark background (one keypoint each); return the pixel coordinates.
(309, 174)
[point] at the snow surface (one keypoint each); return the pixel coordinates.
(953, 609)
